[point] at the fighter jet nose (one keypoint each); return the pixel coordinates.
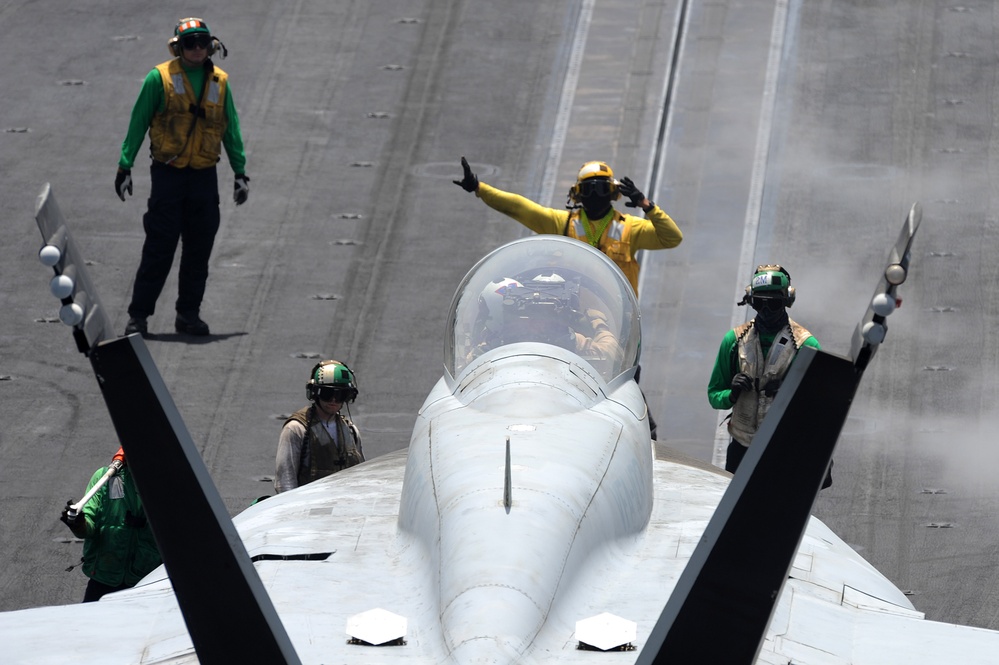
(485, 651)
(490, 625)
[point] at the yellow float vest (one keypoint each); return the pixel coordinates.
(615, 242)
(172, 139)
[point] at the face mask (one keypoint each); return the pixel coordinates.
(770, 314)
(595, 203)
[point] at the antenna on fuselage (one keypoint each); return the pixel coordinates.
(508, 480)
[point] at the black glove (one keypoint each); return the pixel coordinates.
(628, 189)
(122, 182)
(241, 189)
(77, 523)
(470, 182)
(773, 385)
(740, 382)
(133, 521)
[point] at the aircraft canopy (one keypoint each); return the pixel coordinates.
(551, 290)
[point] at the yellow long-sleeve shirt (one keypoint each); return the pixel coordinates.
(621, 238)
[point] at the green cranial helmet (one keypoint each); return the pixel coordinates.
(331, 374)
(193, 29)
(770, 281)
(191, 26)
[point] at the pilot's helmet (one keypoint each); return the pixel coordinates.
(489, 322)
(541, 311)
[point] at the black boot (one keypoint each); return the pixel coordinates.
(190, 323)
(137, 324)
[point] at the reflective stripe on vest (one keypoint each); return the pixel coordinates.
(615, 243)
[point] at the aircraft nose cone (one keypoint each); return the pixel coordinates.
(490, 625)
(487, 651)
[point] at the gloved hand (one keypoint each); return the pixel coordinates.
(470, 182)
(77, 523)
(740, 382)
(596, 318)
(241, 189)
(133, 521)
(628, 189)
(122, 182)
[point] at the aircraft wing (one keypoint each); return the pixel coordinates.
(531, 519)
(835, 608)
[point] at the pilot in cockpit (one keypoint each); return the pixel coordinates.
(544, 308)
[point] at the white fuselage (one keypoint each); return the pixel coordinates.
(580, 478)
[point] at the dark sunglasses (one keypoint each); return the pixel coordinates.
(195, 41)
(329, 393)
(595, 187)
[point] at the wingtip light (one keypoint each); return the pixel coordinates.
(62, 286)
(71, 314)
(49, 255)
(884, 304)
(874, 333)
(895, 274)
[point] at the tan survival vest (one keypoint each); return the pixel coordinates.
(768, 373)
(321, 455)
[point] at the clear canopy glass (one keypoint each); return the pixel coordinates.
(551, 290)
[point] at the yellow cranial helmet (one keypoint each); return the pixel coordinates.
(595, 178)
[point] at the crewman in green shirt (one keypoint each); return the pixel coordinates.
(119, 548)
(754, 358)
(186, 106)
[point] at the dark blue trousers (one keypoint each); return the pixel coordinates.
(183, 207)
(96, 590)
(736, 451)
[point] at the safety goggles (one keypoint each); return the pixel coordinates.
(191, 42)
(332, 394)
(768, 302)
(596, 187)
